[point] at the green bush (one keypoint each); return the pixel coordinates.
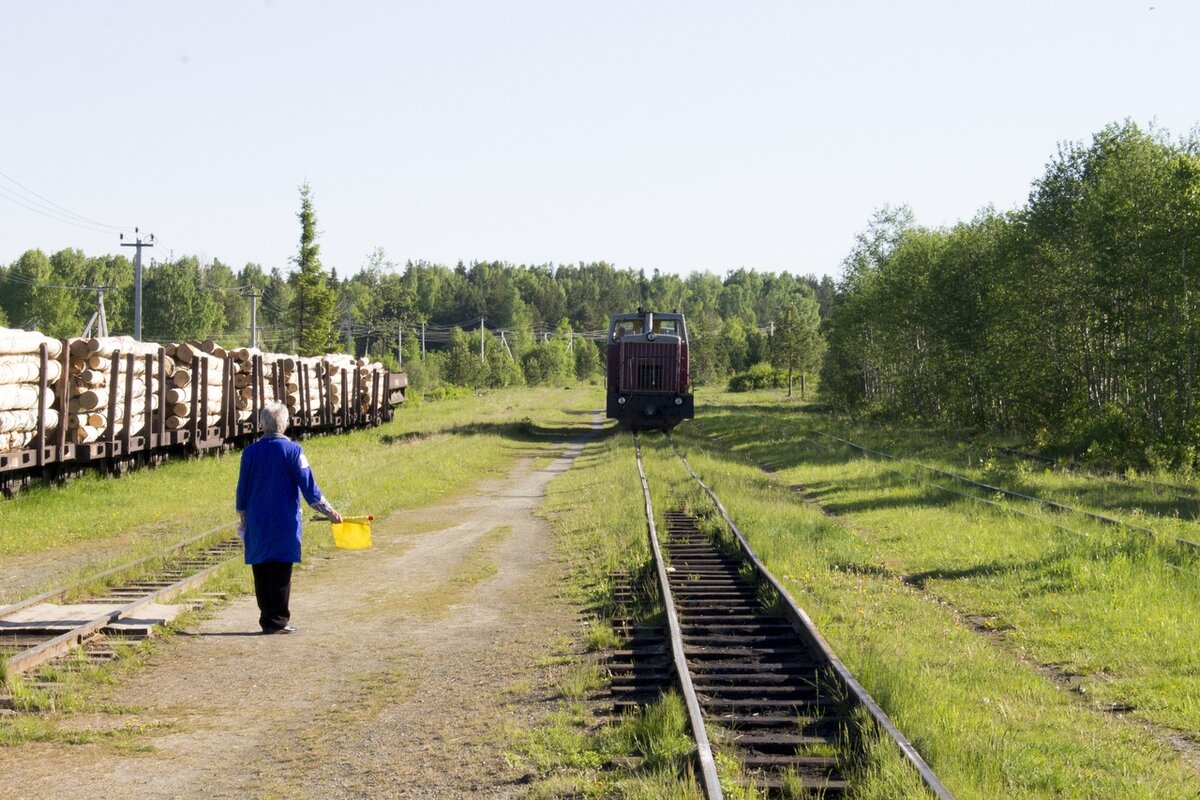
(547, 363)
(759, 376)
(587, 359)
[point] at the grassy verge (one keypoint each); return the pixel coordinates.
(427, 453)
(577, 751)
(874, 765)
(597, 512)
(997, 641)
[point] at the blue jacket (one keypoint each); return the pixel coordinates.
(274, 474)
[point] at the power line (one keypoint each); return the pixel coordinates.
(16, 201)
(27, 281)
(48, 208)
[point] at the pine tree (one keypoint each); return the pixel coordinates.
(312, 302)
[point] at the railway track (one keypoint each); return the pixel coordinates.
(760, 684)
(47, 628)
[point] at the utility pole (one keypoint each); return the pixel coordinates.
(349, 341)
(253, 295)
(137, 278)
(98, 318)
(422, 341)
(481, 329)
(400, 343)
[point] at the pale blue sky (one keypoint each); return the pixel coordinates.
(677, 136)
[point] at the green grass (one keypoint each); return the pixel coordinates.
(427, 453)
(958, 616)
(644, 754)
(597, 511)
(600, 529)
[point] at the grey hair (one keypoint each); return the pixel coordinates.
(273, 418)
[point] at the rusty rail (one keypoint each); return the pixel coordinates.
(805, 627)
(708, 767)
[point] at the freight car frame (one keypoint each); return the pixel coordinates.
(116, 452)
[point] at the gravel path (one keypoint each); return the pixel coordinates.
(412, 661)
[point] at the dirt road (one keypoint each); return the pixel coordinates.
(411, 662)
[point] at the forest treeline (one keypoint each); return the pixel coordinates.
(1072, 320)
(536, 307)
(1069, 322)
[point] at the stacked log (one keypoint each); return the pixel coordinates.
(305, 401)
(21, 400)
(243, 381)
(190, 360)
(94, 394)
(277, 381)
(365, 371)
(76, 397)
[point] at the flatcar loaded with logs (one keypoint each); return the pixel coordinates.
(113, 402)
(649, 386)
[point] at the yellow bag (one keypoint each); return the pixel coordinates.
(353, 533)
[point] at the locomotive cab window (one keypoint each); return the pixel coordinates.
(628, 327)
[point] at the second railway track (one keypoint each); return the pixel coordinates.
(761, 686)
(42, 629)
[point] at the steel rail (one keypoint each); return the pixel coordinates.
(1178, 491)
(63, 590)
(708, 768)
(1051, 504)
(35, 656)
(1009, 509)
(808, 631)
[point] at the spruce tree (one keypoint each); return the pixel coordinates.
(312, 301)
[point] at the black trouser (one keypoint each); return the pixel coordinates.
(273, 588)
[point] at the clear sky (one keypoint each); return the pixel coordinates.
(672, 135)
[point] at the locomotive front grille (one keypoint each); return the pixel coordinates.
(650, 366)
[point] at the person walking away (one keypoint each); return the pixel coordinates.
(274, 474)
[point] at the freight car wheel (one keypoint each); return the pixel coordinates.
(67, 474)
(11, 487)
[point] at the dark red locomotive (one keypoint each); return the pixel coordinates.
(649, 387)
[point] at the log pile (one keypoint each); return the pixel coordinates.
(278, 370)
(20, 376)
(199, 378)
(366, 371)
(98, 396)
(111, 377)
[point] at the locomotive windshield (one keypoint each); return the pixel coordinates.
(625, 328)
(624, 325)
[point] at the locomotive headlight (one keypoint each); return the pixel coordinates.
(651, 336)
(678, 401)
(621, 401)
